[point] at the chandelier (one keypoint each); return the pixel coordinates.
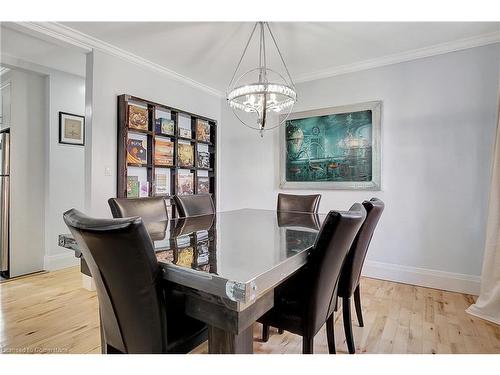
(264, 94)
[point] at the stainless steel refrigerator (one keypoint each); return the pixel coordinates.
(4, 201)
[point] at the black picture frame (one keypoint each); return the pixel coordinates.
(67, 140)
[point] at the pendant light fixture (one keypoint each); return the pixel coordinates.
(262, 92)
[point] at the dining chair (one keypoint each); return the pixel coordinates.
(304, 302)
(150, 209)
(194, 205)
(298, 203)
(351, 271)
(139, 312)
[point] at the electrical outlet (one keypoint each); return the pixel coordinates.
(107, 171)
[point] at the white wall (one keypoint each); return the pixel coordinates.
(66, 165)
(438, 126)
(27, 188)
(62, 167)
(112, 77)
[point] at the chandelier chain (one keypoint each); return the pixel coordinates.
(279, 53)
(243, 54)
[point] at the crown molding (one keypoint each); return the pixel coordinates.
(438, 49)
(89, 43)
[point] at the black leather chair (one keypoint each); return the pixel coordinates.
(298, 219)
(304, 302)
(194, 205)
(298, 203)
(351, 271)
(139, 313)
(149, 209)
(152, 210)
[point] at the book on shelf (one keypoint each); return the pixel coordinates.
(164, 152)
(185, 183)
(132, 187)
(162, 182)
(138, 117)
(203, 185)
(137, 146)
(202, 130)
(202, 156)
(185, 154)
(164, 126)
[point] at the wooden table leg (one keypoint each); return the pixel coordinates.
(223, 342)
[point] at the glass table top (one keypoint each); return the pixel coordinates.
(237, 255)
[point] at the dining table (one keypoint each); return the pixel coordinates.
(228, 265)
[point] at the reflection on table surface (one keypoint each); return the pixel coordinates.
(235, 245)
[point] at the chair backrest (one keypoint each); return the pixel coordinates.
(298, 219)
(152, 209)
(122, 262)
(325, 264)
(298, 203)
(194, 205)
(349, 279)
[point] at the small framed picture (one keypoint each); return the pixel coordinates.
(71, 129)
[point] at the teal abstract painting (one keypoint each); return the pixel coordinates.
(333, 150)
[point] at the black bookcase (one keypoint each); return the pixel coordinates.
(147, 172)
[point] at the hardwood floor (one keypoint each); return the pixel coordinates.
(51, 313)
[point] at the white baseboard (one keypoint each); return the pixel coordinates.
(59, 261)
(454, 282)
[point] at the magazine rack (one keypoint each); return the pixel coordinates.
(142, 171)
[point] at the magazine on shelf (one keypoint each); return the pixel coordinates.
(138, 117)
(143, 189)
(137, 146)
(164, 152)
(184, 126)
(162, 182)
(185, 183)
(203, 156)
(203, 253)
(203, 186)
(184, 257)
(202, 130)
(164, 123)
(132, 187)
(185, 154)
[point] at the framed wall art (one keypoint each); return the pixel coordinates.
(71, 129)
(332, 148)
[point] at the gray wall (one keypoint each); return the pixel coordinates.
(112, 77)
(438, 126)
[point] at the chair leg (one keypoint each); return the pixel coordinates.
(357, 304)
(330, 334)
(112, 350)
(265, 332)
(280, 331)
(307, 345)
(346, 314)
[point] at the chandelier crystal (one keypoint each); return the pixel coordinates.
(262, 92)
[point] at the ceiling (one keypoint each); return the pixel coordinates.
(208, 52)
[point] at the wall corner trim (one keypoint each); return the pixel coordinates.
(450, 281)
(88, 43)
(59, 261)
(415, 54)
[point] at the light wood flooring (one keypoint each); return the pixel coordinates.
(51, 313)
